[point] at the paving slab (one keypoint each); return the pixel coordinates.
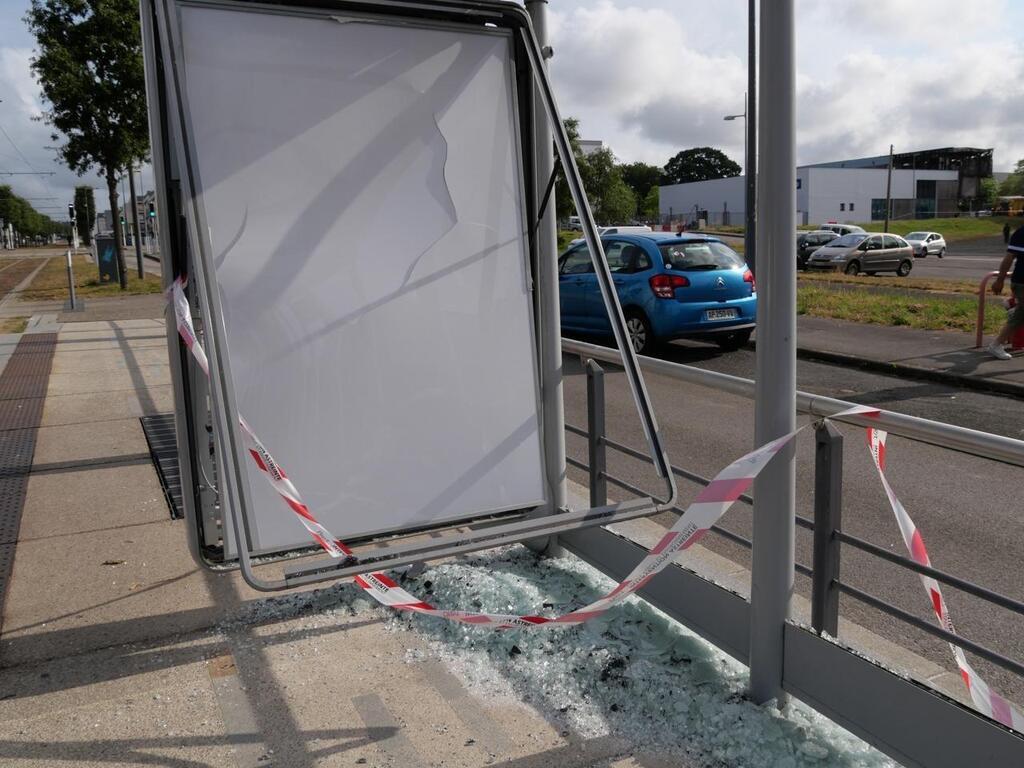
(102, 440)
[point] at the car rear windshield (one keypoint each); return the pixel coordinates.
(917, 235)
(700, 255)
(847, 241)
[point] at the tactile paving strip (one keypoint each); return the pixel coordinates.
(159, 431)
(22, 392)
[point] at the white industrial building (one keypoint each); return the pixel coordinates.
(924, 184)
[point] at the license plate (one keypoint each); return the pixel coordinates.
(720, 314)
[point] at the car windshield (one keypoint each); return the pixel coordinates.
(847, 241)
(700, 255)
(917, 235)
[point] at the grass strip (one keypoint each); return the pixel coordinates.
(925, 312)
(52, 282)
(13, 324)
(931, 285)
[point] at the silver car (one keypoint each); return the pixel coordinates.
(926, 243)
(868, 252)
(842, 229)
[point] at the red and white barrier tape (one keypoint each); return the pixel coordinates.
(271, 469)
(985, 699)
(711, 503)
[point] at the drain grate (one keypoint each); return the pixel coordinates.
(22, 391)
(159, 430)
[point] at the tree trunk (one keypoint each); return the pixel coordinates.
(115, 215)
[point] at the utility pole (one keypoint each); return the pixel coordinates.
(135, 221)
(771, 582)
(750, 162)
(888, 192)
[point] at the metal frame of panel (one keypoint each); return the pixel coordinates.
(175, 163)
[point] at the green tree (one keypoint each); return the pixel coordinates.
(1014, 183)
(699, 164)
(563, 197)
(26, 220)
(650, 207)
(641, 178)
(89, 64)
(988, 191)
(85, 212)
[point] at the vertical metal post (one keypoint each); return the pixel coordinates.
(550, 331)
(71, 284)
(828, 517)
(888, 192)
(135, 222)
(750, 148)
(775, 390)
(595, 435)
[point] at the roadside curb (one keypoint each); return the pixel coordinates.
(912, 371)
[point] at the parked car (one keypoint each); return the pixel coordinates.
(869, 252)
(925, 243)
(623, 229)
(670, 287)
(842, 229)
(574, 223)
(808, 242)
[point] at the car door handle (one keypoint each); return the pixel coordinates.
(618, 281)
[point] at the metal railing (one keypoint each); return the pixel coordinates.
(826, 526)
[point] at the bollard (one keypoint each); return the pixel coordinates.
(71, 284)
(72, 304)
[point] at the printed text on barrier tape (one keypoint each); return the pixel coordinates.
(711, 503)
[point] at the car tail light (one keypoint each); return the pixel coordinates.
(664, 286)
(748, 277)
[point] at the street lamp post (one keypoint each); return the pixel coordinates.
(750, 179)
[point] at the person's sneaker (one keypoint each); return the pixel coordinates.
(997, 351)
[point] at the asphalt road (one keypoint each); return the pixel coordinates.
(968, 509)
(968, 260)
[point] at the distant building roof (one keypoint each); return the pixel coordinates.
(590, 146)
(970, 161)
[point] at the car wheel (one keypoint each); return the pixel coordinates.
(852, 268)
(730, 342)
(942, 252)
(870, 274)
(904, 268)
(641, 335)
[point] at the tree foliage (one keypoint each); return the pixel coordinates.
(641, 178)
(1014, 183)
(89, 64)
(650, 206)
(26, 220)
(699, 164)
(85, 212)
(988, 191)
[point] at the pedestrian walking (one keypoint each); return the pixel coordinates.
(1006, 233)
(1015, 317)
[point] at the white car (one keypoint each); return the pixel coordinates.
(925, 243)
(624, 230)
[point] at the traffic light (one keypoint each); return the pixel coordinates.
(152, 211)
(122, 218)
(71, 212)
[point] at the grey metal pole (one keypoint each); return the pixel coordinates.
(71, 284)
(888, 192)
(775, 386)
(750, 161)
(828, 518)
(135, 222)
(550, 331)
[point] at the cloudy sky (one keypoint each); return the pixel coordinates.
(651, 77)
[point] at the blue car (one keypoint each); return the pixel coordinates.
(670, 287)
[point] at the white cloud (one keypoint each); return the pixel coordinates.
(869, 73)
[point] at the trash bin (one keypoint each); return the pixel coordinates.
(106, 258)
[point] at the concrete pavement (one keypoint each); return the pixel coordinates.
(949, 357)
(116, 649)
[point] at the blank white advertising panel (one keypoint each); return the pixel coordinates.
(362, 186)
